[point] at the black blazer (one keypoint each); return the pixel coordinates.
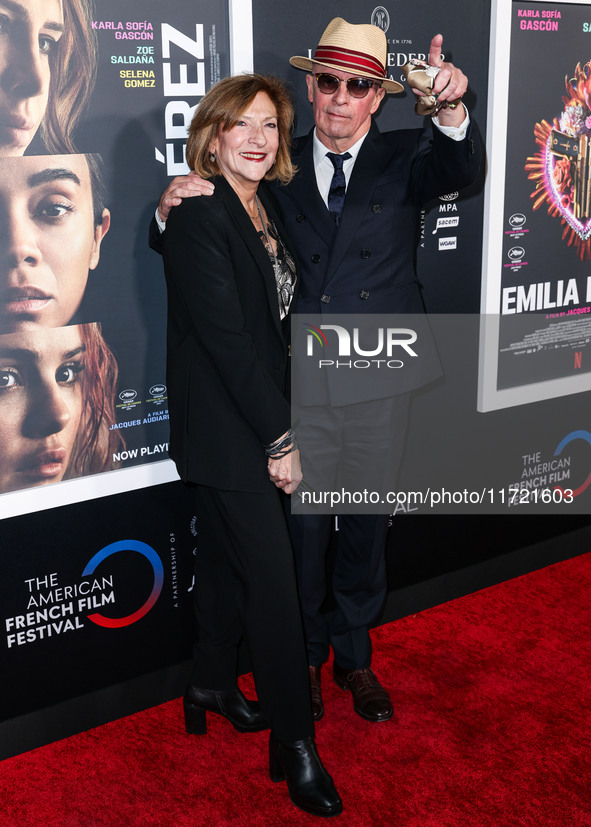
(227, 353)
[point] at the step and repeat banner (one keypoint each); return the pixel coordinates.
(100, 107)
(98, 535)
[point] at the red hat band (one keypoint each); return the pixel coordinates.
(349, 60)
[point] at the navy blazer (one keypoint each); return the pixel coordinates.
(368, 264)
(227, 353)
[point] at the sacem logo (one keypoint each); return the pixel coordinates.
(517, 220)
(516, 253)
(158, 390)
(127, 395)
(447, 221)
(156, 563)
(380, 18)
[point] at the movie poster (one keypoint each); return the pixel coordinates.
(92, 129)
(537, 264)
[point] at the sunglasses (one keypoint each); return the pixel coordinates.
(356, 87)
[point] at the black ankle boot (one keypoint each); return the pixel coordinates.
(310, 786)
(244, 715)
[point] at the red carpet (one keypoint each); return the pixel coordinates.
(491, 728)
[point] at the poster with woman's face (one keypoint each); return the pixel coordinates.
(40, 404)
(56, 405)
(31, 32)
(50, 238)
(95, 98)
(94, 104)
(48, 63)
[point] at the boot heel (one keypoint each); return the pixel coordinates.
(195, 723)
(276, 772)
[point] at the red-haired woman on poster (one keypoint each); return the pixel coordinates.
(57, 397)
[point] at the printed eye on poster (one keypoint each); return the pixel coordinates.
(535, 339)
(83, 396)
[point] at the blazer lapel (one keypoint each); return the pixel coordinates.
(252, 239)
(304, 190)
(267, 197)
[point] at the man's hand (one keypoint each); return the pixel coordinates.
(286, 472)
(183, 186)
(450, 84)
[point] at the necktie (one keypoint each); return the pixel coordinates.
(336, 193)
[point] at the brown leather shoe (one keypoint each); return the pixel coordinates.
(315, 693)
(370, 699)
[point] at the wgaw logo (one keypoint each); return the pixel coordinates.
(449, 243)
(387, 342)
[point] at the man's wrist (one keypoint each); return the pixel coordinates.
(159, 221)
(457, 132)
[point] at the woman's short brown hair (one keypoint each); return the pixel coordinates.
(222, 107)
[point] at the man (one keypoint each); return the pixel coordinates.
(352, 215)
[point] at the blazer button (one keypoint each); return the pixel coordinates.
(377, 208)
(300, 218)
(365, 253)
(324, 298)
(315, 258)
(364, 294)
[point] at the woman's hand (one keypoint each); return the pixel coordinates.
(286, 472)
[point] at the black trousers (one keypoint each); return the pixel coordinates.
(354, 447)
(246, 587)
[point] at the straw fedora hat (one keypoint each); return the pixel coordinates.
(359, 49)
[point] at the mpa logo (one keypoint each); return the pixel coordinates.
(387, 340)
(380, 18)
(158, 569)
(127, 395)
(158, 390)
(516, 253)
(517, 221)
(451, 196)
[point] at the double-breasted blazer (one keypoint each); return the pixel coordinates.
(367, 265)
(227, 352)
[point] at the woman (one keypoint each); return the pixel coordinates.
(230, 282)
(54, 223)
(47, 72)
(57, 390)
(96, 441)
